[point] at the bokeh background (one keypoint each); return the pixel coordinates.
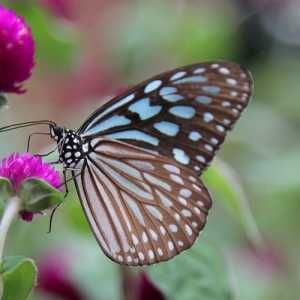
(88, 51)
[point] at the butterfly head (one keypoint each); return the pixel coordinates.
(69, 145)
(57, 132)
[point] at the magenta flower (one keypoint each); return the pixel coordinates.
(17, 50)
(55, 276)
(18, 167)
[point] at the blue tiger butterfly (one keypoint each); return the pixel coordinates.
(136, 160)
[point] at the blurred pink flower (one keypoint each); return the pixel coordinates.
(147, 290)
(17, 50)
(18, 167)
(269, 258)
(55, 277)
(60, 8)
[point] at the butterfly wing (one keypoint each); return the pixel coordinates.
(184, 113)
(142, 207)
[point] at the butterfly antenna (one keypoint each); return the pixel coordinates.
(26, 124)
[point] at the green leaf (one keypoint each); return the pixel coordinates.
(37, 195)
(199, 273)
(226, 186)
(18, 277)
(6, 190)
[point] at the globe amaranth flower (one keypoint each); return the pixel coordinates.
(19, 167)
(17, 50)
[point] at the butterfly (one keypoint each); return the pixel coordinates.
(136, 161)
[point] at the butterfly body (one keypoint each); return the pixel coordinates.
(136, 161)
(70, 146)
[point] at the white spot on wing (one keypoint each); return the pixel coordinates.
(178, 75)
(134, 239)
(186, 213)
(224, 71)
(172, 168)
(153, 235)
(195, 136)
(231, 81)
(201, 158)
(176, 179)
(170, 245)
(199, 70)
(183, 111)
(181, 156)
(167, 128)
(173, 228)
(185, 192)
(152, 86)
(188, 230)
(208, 117)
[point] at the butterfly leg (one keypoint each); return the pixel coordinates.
(31, 135)
(65, 183)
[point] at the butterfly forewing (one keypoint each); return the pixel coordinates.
(183, 114)
(143, 207)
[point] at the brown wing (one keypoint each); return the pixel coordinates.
(142, 207)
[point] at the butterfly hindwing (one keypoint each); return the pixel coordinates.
(183, 114)
(143, 207)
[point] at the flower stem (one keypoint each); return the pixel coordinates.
(11, 211)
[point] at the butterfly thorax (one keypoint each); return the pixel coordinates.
(69, 145)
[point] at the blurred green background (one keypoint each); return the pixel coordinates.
(90, 50)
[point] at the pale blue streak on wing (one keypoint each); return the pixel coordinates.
(118, 104)
(144, 109)
(168, 128)
(109, 123)
(191, 79)
(167, 90)
(178, 75)
(211, 89)
(182, 111)
(134, 135)
(124, 182)
(173, 97)
(203, 99)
